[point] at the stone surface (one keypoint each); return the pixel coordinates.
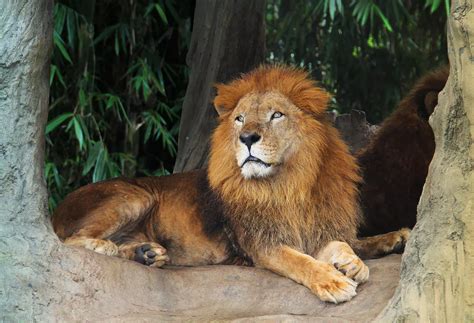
(113, 289)
(354, 129)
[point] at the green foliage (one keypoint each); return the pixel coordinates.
(118, 74)
(366, 53)
(117, 78)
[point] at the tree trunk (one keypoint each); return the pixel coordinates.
(228, 39)
(25, 50)
(437, 282)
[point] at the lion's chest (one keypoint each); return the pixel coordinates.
(297, 227)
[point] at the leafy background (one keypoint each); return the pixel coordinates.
(118, 72)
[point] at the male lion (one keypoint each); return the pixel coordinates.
(280, 192)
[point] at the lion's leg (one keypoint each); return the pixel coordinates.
(321, 278)
(140, 249)
(105, 247)
(340, 255)
(97, 215)
(382, 244)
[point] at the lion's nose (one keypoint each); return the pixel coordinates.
(249, 138)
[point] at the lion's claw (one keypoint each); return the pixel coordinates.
(336, 288)
(353, 267)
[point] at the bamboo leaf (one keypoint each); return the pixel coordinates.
(339, 6)
(161, 12)
(71, 24)
(59, 18)
(78, 132)
(92, 158)
(82, 98)
(55, 72)
(59, 43)
(149, 9)
(53, 124)
(99, 168)
(435, 5)
(173, 11)
(447, 7)
(116, 45)
(106, 33)
(332, 9)
(384, 19)
(52, 73)
(110, 102)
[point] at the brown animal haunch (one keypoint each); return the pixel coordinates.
(395, 163)
(280, 192)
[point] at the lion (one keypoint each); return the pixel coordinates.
(395, 163)
(279, 192)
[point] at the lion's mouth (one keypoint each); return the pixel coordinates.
(254, 159)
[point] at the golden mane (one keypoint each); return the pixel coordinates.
(319, 179)
(292, 82)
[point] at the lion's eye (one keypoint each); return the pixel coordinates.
(239, 119)
(276, 115)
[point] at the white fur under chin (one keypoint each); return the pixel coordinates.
(256, 170)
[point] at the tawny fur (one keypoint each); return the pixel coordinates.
(294, 216)
(395, 163)
(313, 198)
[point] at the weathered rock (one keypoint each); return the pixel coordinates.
(113, 289)
(354, 128)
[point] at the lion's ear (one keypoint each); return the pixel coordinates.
(227, 97)
(315, 99)
(223, 102)
(221, 110)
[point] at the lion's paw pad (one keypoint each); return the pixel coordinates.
(151, 254)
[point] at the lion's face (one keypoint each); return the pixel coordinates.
(265, 133)
(271, 125)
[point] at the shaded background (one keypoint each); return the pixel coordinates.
(119, 72)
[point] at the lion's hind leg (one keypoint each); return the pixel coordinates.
(340, 255)
(104, 247)
(382, 244)
(97, 215)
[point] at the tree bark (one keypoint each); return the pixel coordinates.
(438, 265)
(228, 39)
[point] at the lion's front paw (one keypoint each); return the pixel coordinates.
(151, 254)
(332, 286)
(340, 255)
(351, 266)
